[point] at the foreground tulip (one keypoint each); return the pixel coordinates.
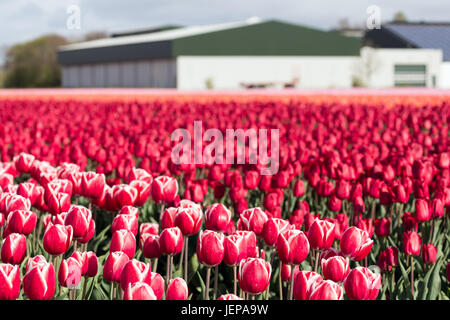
(139, 291)
(151, 248)
(229, 296)
(335, 268)
(135, 271)
(92, 263)
(303, 282)
(80, 219)
(272, 228)
(39, 282)
(23, 162)
(253, 220)
(210, 248)
(21, 221)
(69, 274)
(292, 247)
(189, 220)
(114, 264)
(217, 217)
(164, 189)
(57, 239)
(126, 222)
(9, 282)
(326, 290)
(123, 240)
(362, 284)
(177, 290)
(168, 218)
(355, 243)
(171, 241)
(14, 248)
(254, 275)
(235, 250)
(321, 234)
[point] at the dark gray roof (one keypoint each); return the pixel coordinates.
(424, 35)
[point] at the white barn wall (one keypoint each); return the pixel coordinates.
(228, 72)
(445, 75)
(383, 61)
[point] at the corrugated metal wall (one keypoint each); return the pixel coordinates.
(157, 73)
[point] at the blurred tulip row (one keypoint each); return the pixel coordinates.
(92, 206)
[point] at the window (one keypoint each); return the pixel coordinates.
(410, 75)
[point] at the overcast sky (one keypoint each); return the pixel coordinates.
(22, 20)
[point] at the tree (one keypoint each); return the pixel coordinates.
(400, 17)
(94, 35)
(34, 63)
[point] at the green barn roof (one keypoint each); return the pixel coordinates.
(250, 38)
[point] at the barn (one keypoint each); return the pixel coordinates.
(247, 54)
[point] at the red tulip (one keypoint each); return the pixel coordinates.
(139, 291)
(362, 284)
(326, 290)
(164, 189)
(171, 241)
(92, 184)
(23, 162)
(235, 249)
(57, 239)
(58, 202)
(382, 227)
(124, 195)
(229, 296)
(217, 217)
(143, 191)
(253, 220)
(321, 234)
(168, 218)
(9, 282)
(69, 274)
(299, 188)
(356, 243)
(272, 228)
(79, 218)
(21, 221)
(210, 248)
(429, 253)
(14, 248)
(177, 290)
(39, 281)
(422, 211)
(135, 271)
(82, 258)
(254, 275)
(292, 247)
(126, 222)
(123, 240)
(411, 243)
(151, 248)
(304, 281)
(92, 265)
(149, 227)
(286, 272)
(114, 265)
(189, 220)
(335, 268)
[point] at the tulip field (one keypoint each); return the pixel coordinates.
(93, 206)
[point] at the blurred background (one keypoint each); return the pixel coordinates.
(200, 44)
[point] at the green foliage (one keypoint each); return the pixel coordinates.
(34, 63)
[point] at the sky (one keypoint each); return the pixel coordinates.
(23, 20)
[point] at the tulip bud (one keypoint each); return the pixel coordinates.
(286, 272)
(82, 259)
(151, 248)
(177, 290)
(143, 191)
(39, 281)
(382, 227)
(355, 243)
(253, 220)
(123, 240)
(303, 283)
(422, 211)
(429, 253)
(326, 290)
(189, 220)
(210, 248)
(168, 218)
(164, 189)
(235, 249)
(362, 284)
(299, 188)
(321, 234)
(411, 243)
(272, 228)
(92, 264)
(217, 217)
(92, 184)
(139, 291)
(335, 268)
(124, 195)
(79, 218)
(69, 274)
(23, 162)
(114, 265)
(21, 221)
(14, 248)
(126, 222)
(254, 275)
(171, 241)
(292, 247)
(9, 282)
(57, 239)
(135, 271)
